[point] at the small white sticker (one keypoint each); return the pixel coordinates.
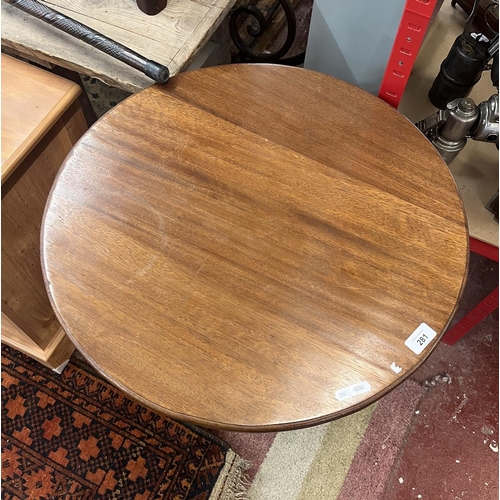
(395, 368)
(420, 338)
(352, 390)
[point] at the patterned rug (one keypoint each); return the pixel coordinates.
(74, 436)
(350, 458)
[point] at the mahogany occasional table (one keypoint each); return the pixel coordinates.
(254, 247)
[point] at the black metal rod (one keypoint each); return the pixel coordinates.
(154, 70)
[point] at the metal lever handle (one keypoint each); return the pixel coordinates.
(154, 70)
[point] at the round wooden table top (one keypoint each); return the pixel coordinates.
(254, 247)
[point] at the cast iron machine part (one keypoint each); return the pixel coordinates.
(448, 129)
(246, 51)
(158, 72)
(468, 58)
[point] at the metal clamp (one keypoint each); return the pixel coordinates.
(487, 126)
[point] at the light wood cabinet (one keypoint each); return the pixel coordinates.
(41, 121)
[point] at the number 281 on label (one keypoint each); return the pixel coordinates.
(420, 338)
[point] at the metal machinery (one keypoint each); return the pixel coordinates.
(448, 129)
(459, 118)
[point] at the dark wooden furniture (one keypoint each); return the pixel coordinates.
(41, 121)
(238, 246)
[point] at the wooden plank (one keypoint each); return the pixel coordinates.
(23, 200)
(221, 4)
(198, 39)
(25, 116)
(15, 337)
(24, 194)
(73, 122)
(173, 37)
(170, 27)
(32, 38)
(58, 351)
(41, 121)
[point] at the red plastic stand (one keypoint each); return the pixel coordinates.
(409, 38)
(484, 249)
(485, 307)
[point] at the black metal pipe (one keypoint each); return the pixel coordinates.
(154, 70)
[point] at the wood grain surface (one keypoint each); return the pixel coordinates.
(24, 195)
(41, 121)
(173, 37)
(32, 101)
(238, 245)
